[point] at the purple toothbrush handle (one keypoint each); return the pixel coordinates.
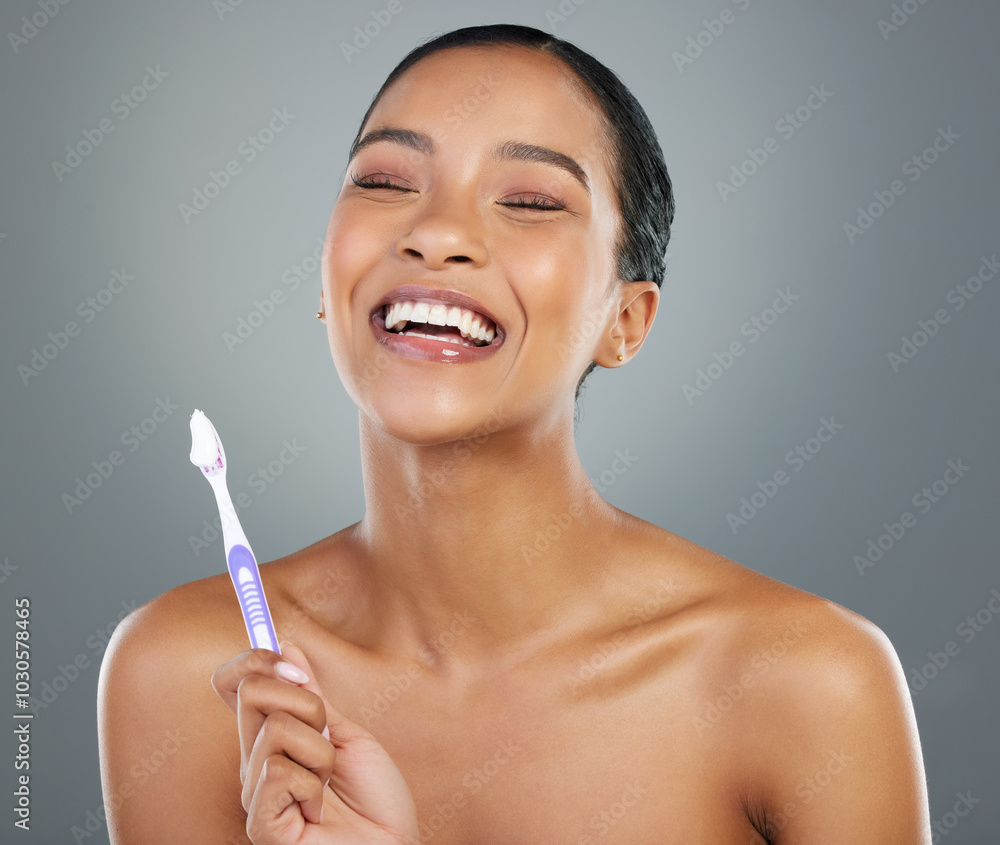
(246, 580)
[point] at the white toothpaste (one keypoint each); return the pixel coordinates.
(204, 449)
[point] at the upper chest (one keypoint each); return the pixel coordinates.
(587, 753)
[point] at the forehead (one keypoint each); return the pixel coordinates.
(469, 96)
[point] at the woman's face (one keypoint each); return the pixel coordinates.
(434, 233)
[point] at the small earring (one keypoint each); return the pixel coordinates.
(621, 357)
(319, 314)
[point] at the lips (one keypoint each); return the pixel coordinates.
(428, 323)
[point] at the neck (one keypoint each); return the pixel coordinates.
(491, 535)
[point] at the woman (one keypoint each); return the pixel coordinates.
(494, 654)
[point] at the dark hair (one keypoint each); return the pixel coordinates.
(639, 175)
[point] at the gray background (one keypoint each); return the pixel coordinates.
(162, 337)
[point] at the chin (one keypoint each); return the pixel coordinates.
(430, 418)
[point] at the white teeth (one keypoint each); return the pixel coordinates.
(474, 328)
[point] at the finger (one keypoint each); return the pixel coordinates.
(283, 734)
(286, 794)
(259, 697)
(226, 679)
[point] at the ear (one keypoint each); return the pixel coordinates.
(637, 304)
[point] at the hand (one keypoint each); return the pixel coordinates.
(300, 788)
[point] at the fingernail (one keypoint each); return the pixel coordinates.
(326, 733)
(291, 672)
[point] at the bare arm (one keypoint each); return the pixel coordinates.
(842, 759)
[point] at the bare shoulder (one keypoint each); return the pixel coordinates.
(168, 744)
(168, 640)
(829, 733)
(195, 627)
(806, 704)
(749, 611)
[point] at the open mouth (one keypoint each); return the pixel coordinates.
(438, 321)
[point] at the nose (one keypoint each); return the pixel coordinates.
(445, 232)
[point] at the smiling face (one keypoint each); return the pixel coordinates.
(468, 268)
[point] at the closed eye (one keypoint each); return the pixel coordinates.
(372, 182)
(537, 202)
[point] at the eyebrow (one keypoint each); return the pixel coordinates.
(403, 137)
(504, 151)
(520, 151)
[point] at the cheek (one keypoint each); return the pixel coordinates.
(545, 269)
(349, 252)
(560, 285)
(351, 247)
(562, 281)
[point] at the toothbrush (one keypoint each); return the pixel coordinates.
(208, 454)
